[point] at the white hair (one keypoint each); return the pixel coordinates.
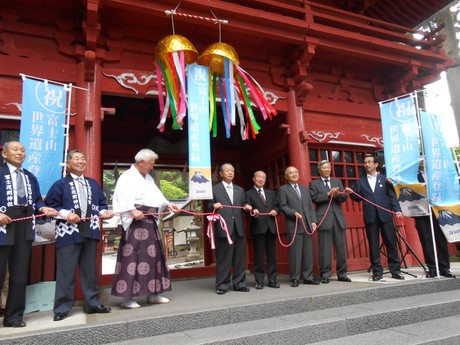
(145, 155)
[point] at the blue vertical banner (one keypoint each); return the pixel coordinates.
(402, 153)
(42, 130)
(443, 178)
(199, 146)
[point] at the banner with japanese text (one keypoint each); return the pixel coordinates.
(442, 175)
(199, 146)
(402, 153)
(42, 130)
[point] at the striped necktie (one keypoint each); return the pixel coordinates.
(230, 193)
(82, 195)
(262, 196)
(20, 188)
(296, 188)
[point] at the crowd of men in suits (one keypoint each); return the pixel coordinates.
(296, 201)
(77, 202)
(317, 207)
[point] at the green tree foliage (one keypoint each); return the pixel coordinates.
(171, 191)
(109, 179)
(173, 185)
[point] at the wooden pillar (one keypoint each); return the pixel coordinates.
(298, 152)
(88, 121)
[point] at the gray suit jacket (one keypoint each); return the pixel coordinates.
(232, 216)
(318, 192)
(290, 203)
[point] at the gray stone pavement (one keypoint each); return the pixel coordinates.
(198, 295)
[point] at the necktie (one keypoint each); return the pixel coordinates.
(20, 189)
(326, 182)
(83, 197)
(262, 196)
(297, 191)
(230, 193)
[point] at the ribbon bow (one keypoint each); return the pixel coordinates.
(210, 231)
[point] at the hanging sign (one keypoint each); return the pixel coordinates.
(42, 130)
(402, 154)
(200, 183)
(442, 176)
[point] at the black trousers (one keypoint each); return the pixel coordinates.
(17, 258)
(423, 226)
(389, 240)
(264, 246)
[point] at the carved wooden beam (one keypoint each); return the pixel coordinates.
(92, 29)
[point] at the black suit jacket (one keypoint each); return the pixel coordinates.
(318, 192)
(262, 224)
(290, 203)
(232, 216)
(384, 196)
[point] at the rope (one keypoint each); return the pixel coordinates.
(213, 217)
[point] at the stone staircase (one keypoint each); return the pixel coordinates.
(419, 313)
(425, 311)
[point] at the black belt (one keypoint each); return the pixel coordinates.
(19, 208)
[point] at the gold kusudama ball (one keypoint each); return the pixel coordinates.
(175, 43)
(213, 57)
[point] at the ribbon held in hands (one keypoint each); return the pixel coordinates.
(210, 231)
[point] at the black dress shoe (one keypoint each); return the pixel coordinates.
(376, 277)
(310, 282)
(221, 291)
(325, 280)
(294, 283)
(447, 274)
(242, 289)
(431, 274)
(259, 286)
(397, 276)
(344, 279)
(99, 310)
(60, 316)
(273, 284)
(15, 324)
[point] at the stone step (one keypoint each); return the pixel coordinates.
(342, 325)
(442, 331)
(305, 314)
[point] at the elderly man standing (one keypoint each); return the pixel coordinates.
(80, 203)
(332, 228)
(20, 197)
(295, 202)
(263, 230)
(141, 268)
(226, 193)
(375, 188)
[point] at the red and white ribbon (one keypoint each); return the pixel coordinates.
(210, 231)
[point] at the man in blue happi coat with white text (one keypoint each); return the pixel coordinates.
(80, 203)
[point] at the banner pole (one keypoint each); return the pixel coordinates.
(430, 213)
(67, 127)
(23, 76)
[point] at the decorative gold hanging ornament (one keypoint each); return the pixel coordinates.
(172, 54)
(176, 43)
(235, 88)
(214, 55)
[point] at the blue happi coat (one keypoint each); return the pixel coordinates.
(34, 202)
(63, 196)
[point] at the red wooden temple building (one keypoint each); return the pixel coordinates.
(324, 65)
